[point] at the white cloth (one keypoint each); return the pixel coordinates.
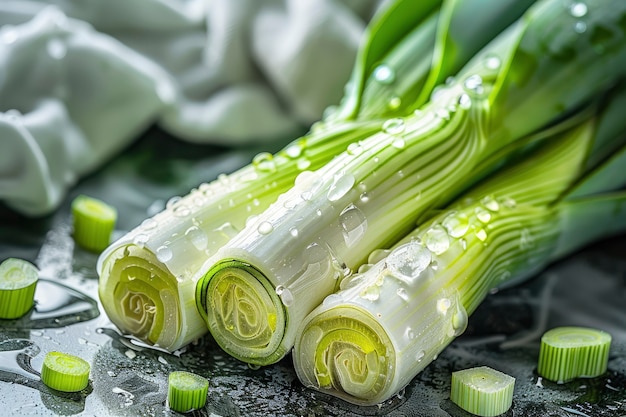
(80, 79)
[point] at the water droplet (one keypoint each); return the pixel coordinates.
(306, 196)
(482, 214)
(456, 224)
(578, 9)
(264, 162)
(492, 62)
(293, 232)
(265, 228)
(384, 74)
(164, 253)
(182, 211)
(353, 225)
(355, 148)
(56, 48)
(420, 355)
(465, 102)
(318, 212)
(394, 103)
(490, 203)
(341, 185)
(580, 27)
(303, 164)
(408, 261)
(481, 234)
(294, 150)
(402, 294)
(463, 243)
(371, 293)
(140, 240)
(227, 230)
(172, 202)
(394, 126)
(286, 297)
(149, 224)
(197, 237)
(474, 84)
(410, 334)
(437, 240)
(364, 197)
(459, 319)
(378, 255)
(398, 143)
(508, 202)
(443, 304)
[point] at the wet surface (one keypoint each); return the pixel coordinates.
(129, 379)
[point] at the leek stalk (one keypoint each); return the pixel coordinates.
(388, 322)
(258, 288)
(147, 277)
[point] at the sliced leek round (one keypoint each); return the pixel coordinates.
(65, 372)
(186, 391)
(18, 280)
(482, 391)
(93, 221)
(571, 352)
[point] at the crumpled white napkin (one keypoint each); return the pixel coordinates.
(80, 79)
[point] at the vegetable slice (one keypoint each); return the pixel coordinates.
(65, 372)
(18, 281)
(571, 352)
(186, 391)
(94, 221)
(482, 391)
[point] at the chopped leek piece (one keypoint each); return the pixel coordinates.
(572, 352)
(65, 372)
(186, 391)
(93, 221)
(371, 195)
(482, 391)
(18, 281)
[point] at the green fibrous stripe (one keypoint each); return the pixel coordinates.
(65, 372)
(573, 352)
(482, 391)
(18, 281)
(186, 391)
(93, 222)
(243, 312)
(143, 299)
(346, 352)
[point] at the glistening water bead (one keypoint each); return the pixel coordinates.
(408, 261)
(384, 74)
(394, 126)
(437, 240)
(341, 185)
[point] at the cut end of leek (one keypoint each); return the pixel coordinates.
(572, 352)
(345, 351)
(242, 311)
(141, 297)
(186, 391)
(93, 222)
(482, 391)
(65, 372)
(18, 281)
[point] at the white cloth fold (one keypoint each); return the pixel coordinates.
(80, 80)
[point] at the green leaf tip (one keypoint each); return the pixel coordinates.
(571, 352)
(18, 281)
(186, 391)
(65, 372)
(482, 391)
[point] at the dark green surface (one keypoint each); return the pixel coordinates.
(586, 289)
